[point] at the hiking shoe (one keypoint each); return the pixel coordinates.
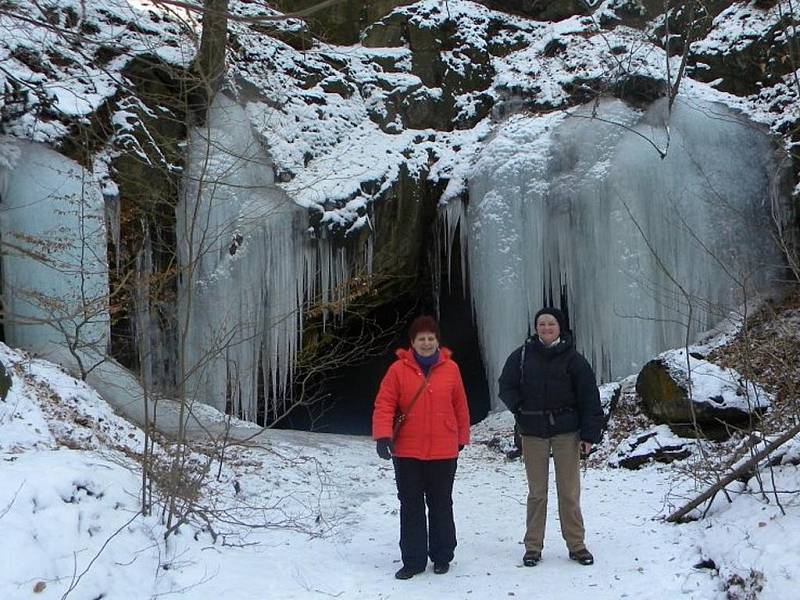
(441, 568)
(531, 557)
(584, 557)
(407, 573)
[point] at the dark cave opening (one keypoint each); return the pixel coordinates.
(347, 408)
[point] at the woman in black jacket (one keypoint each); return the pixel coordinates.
(552, 392)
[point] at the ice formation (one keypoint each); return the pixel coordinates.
(644, 247)
(248, 267)
(55, 277)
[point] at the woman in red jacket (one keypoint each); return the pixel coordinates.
(424, 387)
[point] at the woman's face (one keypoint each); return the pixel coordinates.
(425, 343)
(547, 329)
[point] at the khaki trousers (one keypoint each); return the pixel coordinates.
(566, 456)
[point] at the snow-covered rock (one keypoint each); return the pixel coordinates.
(656, 444)
(677, 391)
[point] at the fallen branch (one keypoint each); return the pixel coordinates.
(747, 465)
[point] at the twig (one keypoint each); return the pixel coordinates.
(77, 580)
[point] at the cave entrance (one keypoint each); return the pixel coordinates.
(347, 407)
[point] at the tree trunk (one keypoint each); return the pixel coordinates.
(209, 66)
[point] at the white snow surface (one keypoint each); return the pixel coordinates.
(329, 514)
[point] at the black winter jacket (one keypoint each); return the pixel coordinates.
(554, 393)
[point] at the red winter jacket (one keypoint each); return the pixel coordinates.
(439, 420)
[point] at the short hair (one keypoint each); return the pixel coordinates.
(422, 324)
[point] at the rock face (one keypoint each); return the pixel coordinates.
(748, 66)
(719, 396)
(342, 23)
(5, 382)
(448, 65)
(541, 10)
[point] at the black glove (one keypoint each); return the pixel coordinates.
(385, 448)
(460, 447)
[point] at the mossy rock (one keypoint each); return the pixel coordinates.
(633, 13)
(684, 17)
(476, 74)
(148, 193)
(403, 218)
(482, 106)
(665, 399)
(390, 63)
(504, 37)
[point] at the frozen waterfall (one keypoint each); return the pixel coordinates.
(54, 265)
(248, 266)
(585, 208)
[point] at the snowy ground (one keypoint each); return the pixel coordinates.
(327, 512)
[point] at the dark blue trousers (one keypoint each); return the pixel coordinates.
(421, 482)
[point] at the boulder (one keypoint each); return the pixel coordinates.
(719, 397)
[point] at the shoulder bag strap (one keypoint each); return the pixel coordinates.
(400, 419)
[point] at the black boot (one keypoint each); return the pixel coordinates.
(407, 572)
(441, 568)
(583, 557)
(531, 557)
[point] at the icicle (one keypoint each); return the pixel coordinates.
(453, 215)
(254, 269)
(112, 213)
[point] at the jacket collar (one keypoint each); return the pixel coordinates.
(407, 355)
(565, 343)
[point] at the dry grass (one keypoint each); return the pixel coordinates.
(767, 351)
